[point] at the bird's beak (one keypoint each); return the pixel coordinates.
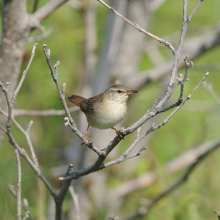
(132, 92)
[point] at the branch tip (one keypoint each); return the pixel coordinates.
(34, 47)
(67, 121)
(48, 53)
(61, 178)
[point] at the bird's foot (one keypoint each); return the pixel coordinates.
(85, 137)
(119, 134)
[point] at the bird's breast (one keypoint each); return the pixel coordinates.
(106, 114)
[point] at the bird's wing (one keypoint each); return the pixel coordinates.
(88, 104)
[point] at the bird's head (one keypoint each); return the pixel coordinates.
(119, 93)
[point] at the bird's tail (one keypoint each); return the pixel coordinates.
(76, 99)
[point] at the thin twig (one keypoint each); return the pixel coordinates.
(76, 202)
(162, 41)
(24, 74)
(151, 129)
(154, 126)
(22, 151)
(210, 89)
(122, 158)
(26, 215)
(41, 13)
(24, 204)
(27, 136)
(99, 163)
(188, 64)
(70, 121)
(133, 144)
(175, 165)
(169, 89)
(3, 129)
(174, 185)
(218, 214)
(44, 35)
(194, 11)
(18, 186)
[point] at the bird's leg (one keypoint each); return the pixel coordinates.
(118, 133)
(85, 137)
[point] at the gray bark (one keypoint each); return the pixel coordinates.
(15, 31)
(17, 25)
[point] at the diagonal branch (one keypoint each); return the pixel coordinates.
(75, 174)
(24, 74)
(145, 208)
(70, 120)
(47, 9)
(162, 41)
(150, 113)
(152, 128)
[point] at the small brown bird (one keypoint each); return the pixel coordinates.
(106, 109)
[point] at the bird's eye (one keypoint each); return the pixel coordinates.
(119, 91)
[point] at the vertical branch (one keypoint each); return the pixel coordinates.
(188, 64)
(28, 139)
(62, 194)
(91, 39)
(76, 202)
(18, 187)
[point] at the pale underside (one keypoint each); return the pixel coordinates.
(106, 115)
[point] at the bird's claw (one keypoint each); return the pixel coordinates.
(119, 134)
(85, 137)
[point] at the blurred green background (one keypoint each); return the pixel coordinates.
(197, 198)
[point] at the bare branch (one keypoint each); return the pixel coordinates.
(209, 88)
(99, 163)
(24, 204)
(27, 136)
(18, 186)
(133, 144)
(24, 74)
(10, 105)
(70, 121)
(122, 158)
(175, 184)
(62, 194)
(152, 128)
(47, 9)
(188, 64)
(169, 89)
(44, 35)
(194, 11)
(218, 214)
(26, 215)
(3, 129)
(76, 202)
(22, 151)
(162, 41)
(175, 165)
(195, 48)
